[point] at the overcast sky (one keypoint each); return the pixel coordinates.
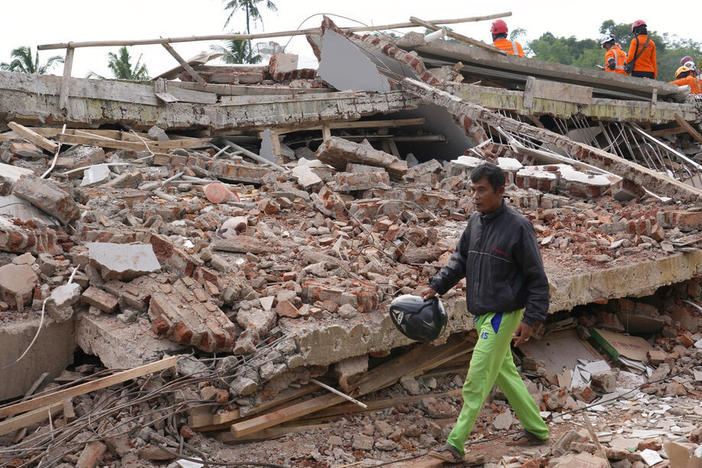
(33, 22)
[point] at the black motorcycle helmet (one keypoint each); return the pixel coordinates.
(418, 319)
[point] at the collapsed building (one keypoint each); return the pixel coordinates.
(261, 218)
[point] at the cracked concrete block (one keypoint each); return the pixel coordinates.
(61, 301)
(280, 64)
(17, 284)
(306, 177)
(48, 197)
(122, 261)
(243, 386)
(95, 175)
(338, 152)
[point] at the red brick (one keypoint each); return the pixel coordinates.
(100, 299)
(287, 309)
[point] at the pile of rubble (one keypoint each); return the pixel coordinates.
(270, 256)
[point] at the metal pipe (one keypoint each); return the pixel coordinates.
(677, 153)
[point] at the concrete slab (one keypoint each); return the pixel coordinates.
(120, 345)
(344, 66)
(13, 207)
(122, 261)
(51, 352)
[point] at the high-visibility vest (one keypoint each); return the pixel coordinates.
(511, 47)
(646, 62)
(619, 57)
(695, 84)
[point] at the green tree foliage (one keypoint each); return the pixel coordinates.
(24, 62)
(250, 7)
(587, 53)
(121, 66)
(237, 51)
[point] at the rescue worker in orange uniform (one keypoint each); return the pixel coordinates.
(499, 39)
(615, 58)
(642, 52)
(685, 76)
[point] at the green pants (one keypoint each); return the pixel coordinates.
(492, 363)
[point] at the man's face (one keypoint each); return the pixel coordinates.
(485, 199)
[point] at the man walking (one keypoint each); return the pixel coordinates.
(507, 292)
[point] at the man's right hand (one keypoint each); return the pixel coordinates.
(428, 294)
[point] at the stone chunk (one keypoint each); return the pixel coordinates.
(95, 175)
(122, 261)
(101, 299)
(338, 152)
(25, 150)
(17, 284)
(348, 182)
(306, 177)
(61, 300)
(91, 454)
(48, 197)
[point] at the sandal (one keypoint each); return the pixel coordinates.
(447, 453)
(526, 438)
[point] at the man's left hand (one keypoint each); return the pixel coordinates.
(522, 333)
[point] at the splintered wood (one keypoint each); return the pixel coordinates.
(419, 360)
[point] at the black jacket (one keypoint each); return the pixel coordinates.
(500, 259)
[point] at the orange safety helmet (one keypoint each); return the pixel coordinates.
(637, 23)
(498, 27)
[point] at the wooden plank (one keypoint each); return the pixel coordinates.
(337, 124)
(59, 396)
(690, 129)
(668, 131)
(326, 132)
(245, 90)
(106, 142)
(69, 413)
(35, 416)
(66, 79)
(34, 137)
(230, 37)
(286, 414)
(458, 37)
(183, 63)
(420, 358)
(270, 433)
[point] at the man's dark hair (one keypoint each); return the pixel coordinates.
(491, 172)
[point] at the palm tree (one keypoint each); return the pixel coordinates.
(122, 69)
(250, 7)
(237, 51)
(23, 62)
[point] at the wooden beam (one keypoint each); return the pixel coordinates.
(106, 142)
(690, 129)
(356, 124)
(414, 362)
(668, 131)
(33, 137)
(458, 37)
(32, 417)
(191, 71)
(246, 37)
(67, 67)
(59, 396)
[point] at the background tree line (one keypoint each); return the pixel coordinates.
(588, 53)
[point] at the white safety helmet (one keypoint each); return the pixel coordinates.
(690, 64)
(606, 38)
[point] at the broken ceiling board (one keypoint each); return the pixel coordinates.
(345, 66)
(599, 108)
(560, 350)
(108, 90)
(200, 59)
(538, 68)
(555, 91)
(617, 344)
